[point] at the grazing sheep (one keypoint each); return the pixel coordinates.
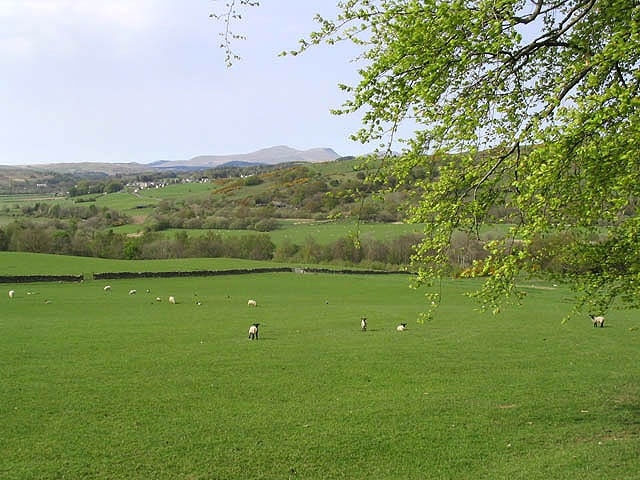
(132, 292)
(252, 303)
(253, 331)
(12, 293)
(172, 299)
(402, 327)
(363, 324)
(597, 321)
(158, 299)
(107, 288)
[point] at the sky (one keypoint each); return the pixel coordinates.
(145, 80)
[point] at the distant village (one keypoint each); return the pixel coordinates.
(138, 185)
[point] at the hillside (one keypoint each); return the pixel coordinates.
(293, 212)
(59, 177)
(265, 156)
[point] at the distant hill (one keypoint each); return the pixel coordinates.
(265, 156)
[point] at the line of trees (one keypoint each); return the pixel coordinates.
(78, 238)
(553, 253)
(85, 187)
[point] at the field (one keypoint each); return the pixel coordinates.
(299, 231)
(30, 264)
(100, 385)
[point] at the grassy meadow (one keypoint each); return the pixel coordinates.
(300, 231)
(100, 385)
(30, 264)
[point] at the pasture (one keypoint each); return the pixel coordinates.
(106, 385)
(299, 231)
(21, 263)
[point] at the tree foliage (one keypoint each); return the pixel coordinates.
(527, 106)
(227, 12)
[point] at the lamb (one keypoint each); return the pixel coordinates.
(12, 293)
(597, 321)
(172, 299)
(402, 327)
(132, 292)
(363, 324)
(252, 303)
(107, 288)
(253, 331)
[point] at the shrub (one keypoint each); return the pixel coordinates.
(266, 225)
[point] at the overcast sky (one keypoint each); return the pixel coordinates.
(144, 80)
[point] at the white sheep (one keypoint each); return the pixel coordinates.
(172, 299)
(597, 321)
(363, 324)
(252, 303)
(253, 331)
(132, 292)
(107, 288)
(402, 327)
(158, 299)
(12, 293)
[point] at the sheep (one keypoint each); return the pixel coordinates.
(252, 303)
(402, 327)
(597, 321)
(107, 288)
(12, 293)
(253, 331)
(132, 292)
(363, 324)
(172, 299)
(158, 299)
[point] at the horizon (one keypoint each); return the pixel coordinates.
(160, 161)
(215, 155)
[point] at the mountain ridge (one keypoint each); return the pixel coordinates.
(265, 156)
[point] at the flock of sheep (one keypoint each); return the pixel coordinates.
(598, 321)
(172, 299)
(253, 329)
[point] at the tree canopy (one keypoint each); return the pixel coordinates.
(531, 107)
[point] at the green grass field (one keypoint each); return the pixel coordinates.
(29, 264)
(102, 385)
(299, 231)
